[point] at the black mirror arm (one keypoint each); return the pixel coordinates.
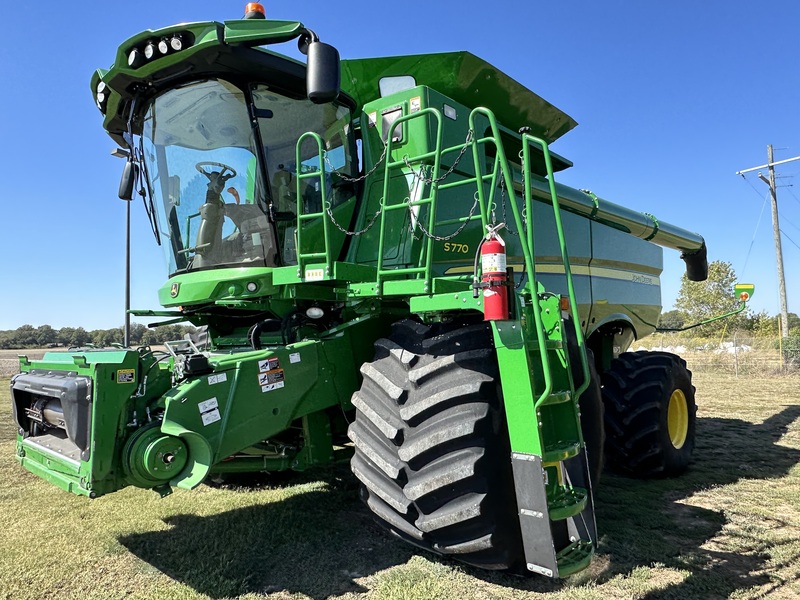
(307, 37)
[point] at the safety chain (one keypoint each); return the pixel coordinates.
(505, 221)
(503, 205)
(360, 231)
(421, 175)
(439, 238)
(355, 179)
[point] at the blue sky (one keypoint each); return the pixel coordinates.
(672, 98)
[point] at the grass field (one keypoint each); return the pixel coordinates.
(729, 528)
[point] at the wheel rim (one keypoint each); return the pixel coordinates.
(678, 418)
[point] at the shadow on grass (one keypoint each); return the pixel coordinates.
(645, 522)
(318, 542)
(315, 543)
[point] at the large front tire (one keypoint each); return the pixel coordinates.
(650, 414)
(431, 444)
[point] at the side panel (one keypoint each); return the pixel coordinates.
(625, 279)
(550, 266)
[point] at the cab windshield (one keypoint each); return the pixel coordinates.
(225, 191)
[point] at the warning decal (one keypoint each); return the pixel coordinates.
(220, 378)
(271, 380)
(126, 376)
(270, 377)
(209, 411)
(210, 417)
(269, 364)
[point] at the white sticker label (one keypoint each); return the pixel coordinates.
(212, 379)
(271, 377)
(207, 405)
(269, 364)
(272, 386)
(414, 104)
(294, 357)
(493, 263)
(210, 417)
(315, 274)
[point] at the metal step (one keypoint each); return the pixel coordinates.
(560, 450)
(574, 557)
(567, 502)
(558, 397)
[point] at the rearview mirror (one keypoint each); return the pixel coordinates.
(322, 74)
(128, 179)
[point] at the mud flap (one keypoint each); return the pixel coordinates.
(553, 548)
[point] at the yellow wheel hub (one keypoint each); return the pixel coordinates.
(678, 418)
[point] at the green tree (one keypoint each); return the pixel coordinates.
(106, 337)
(24, 337)
(701, 300)
(64, 336)
(80, 337)
(672, 319)
(137, 332)
(46, 335)
(6, 338)
(763, 324)
(794, 324)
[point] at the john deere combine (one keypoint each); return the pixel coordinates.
(386, 271)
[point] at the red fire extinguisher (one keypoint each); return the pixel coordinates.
(494, 276)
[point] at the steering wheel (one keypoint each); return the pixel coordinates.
(213, 175)
(216, 179)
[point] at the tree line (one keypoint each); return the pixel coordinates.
(697, 301)
(701, 300)
(45, 336)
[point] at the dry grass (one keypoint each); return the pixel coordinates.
(9, 360)
(729, 528)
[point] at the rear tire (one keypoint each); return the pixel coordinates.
(431, 444)
(650, 414)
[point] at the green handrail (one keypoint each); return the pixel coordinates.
(525, 243)
(527, 141)
(427, 249)
(301, 215)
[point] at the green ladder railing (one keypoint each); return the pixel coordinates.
(428, 162)
(559, 435)
(305, 258)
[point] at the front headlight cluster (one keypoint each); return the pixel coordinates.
(101, 96)
(157, 47)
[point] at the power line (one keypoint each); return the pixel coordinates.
(790, 239)
(771, 182)
(783, 218)
(765, 196)
(793, 194)
(755, 232)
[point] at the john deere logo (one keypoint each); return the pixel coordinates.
(173, 291)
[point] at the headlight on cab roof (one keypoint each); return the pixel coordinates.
(157, 47)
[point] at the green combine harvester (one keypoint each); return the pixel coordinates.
(375, 252)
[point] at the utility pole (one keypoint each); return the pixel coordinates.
(776, 231)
